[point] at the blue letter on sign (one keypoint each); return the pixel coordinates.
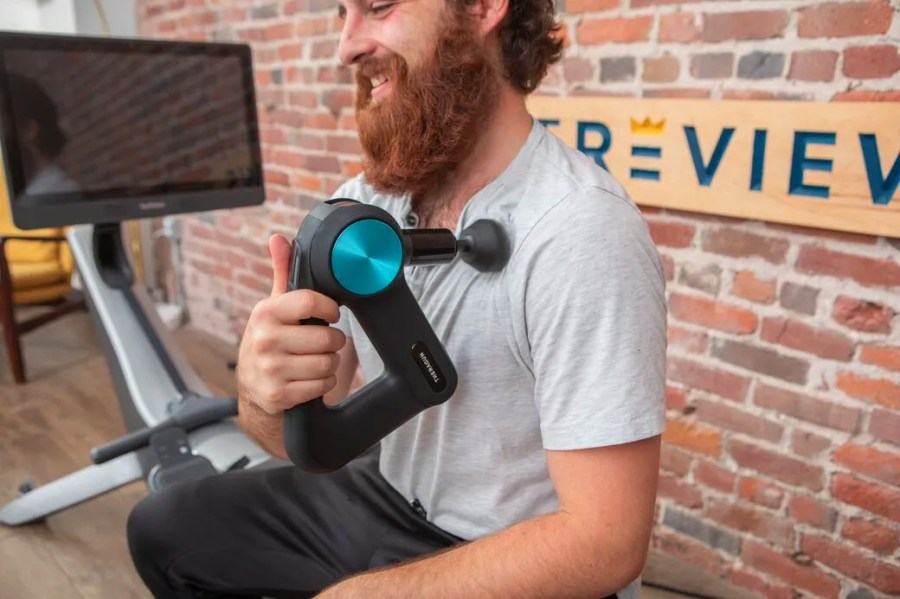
(598, 152)
(706, 172)
(549, 122)
(882, 188)
(759, 154)
(800, 163)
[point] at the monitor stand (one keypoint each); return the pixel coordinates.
(176, 429)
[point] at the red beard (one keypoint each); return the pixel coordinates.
(417, 135)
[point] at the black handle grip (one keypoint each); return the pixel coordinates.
(196, 412)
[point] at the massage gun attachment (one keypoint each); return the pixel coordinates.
(354, 253)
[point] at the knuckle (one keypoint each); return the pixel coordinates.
(268, 367)
(304, 302)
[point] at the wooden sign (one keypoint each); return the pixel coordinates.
(831, 166)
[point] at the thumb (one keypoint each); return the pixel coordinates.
(280, 250)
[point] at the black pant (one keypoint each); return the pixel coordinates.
(275, 532)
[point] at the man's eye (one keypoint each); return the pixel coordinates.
(378, 9)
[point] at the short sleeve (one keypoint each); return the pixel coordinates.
(593, 322)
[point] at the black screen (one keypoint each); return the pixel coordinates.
(85, 119)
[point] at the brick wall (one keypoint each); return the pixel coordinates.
(781, 467)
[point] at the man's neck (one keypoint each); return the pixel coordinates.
(506, 132)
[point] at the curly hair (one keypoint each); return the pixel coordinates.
(529, 43)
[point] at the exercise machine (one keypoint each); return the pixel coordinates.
(184, 158)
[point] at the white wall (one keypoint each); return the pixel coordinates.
(20, 15)
(57, 16)
(122, 16)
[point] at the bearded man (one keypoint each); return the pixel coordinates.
(538, 477)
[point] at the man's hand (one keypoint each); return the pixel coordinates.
(282, 363)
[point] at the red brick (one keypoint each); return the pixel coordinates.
(885, 425)
(323, 49)
(577, 70)
(675, 460)
(871, 534)
(668, 264)
(783, 567)
(756, 522)
(742, 244)
(681, 493)
(871, 62)
(881, 355)
(870, 272)
(737, 420)
(716, 65)
(338, 99)
(762, 360)
(781, 467)
(676, 235)
(807, 510)
(806, 407)
(870, 461)
(615, 30)
(845, 19)
(675, 398)
(760, 491)
(799, 298)
(679, 27)
(824, 235)
(690, 551)
(875, 498)
(706, 278)
(720, 382)
(883, 576)
(713, 314)
(675, 92)
(862, 315)
(281, 31)
(813, 65)
(582, 6)
(343, 145)
(693, 437)
(866, 95)
(695, 342)
(809, 445)
(749, 287)
(882, 391)
(663, 69)
(750, 25)
(800, 336)
(754, 582)
(714, 477)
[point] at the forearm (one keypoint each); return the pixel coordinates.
(263, 428)
(548, 556)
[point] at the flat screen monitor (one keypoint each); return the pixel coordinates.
(100, 130)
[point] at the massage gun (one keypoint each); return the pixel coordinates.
(354, 253)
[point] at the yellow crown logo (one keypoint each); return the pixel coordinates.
(647, 127)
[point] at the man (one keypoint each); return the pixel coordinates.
(39, 134)
(538, 477)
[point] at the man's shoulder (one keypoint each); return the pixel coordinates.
(563, 191)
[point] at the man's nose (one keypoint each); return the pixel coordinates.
(356, 43)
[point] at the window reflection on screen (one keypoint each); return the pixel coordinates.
(127, 123)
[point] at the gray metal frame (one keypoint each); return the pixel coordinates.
(146, 390)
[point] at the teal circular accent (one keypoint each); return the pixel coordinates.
(366, 257)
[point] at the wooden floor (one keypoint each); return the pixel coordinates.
(47, 428)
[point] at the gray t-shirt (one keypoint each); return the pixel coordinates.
(562, 349)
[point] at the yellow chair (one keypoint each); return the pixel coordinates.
(35, 269)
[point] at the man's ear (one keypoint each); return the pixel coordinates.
(489, 14)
